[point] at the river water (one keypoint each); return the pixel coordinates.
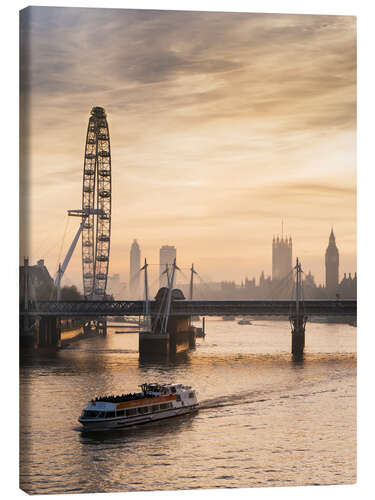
(263, 420)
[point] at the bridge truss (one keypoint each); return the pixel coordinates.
(88, 308)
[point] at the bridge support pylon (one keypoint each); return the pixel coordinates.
(298, 324)
(298, 319)
(49, 332)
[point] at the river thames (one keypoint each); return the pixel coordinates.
(263, 420)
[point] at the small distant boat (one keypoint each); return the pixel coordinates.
(244, 322)
(154, 402)
(229, 318)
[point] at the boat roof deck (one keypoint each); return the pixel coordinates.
(122, 398)
(148, 391)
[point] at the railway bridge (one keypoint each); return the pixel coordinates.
(45, 316)
(95, 309)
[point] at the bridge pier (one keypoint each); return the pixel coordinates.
(179, 337)
(169, 334)
(48, 332)
(298, 324)
(154, 345)
(192, 336)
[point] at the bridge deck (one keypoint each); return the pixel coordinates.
(193, 307)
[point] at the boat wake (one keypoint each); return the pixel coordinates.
(261, 397)
(233, 400)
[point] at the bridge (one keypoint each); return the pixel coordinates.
(166, 317)
(94, 309)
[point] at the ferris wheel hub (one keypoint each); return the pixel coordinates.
(85, 212)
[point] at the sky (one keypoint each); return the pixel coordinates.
(222, 125)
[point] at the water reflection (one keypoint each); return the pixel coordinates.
(164, 429)
(258, 410)
(170, 360)
(297, 360)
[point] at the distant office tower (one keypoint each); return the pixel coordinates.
(115, 287)
(167, 256)
(332, 266)
(134, 275)
(281, 257)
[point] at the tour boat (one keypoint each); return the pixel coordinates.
(154, 402)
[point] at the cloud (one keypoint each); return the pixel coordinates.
(219, 122)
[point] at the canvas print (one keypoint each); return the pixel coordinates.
(187, 250)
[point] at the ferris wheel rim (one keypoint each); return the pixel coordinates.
(96, 193)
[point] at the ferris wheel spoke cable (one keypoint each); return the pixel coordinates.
(184, 275)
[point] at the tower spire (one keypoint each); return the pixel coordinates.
(332, 239)
(332, 266)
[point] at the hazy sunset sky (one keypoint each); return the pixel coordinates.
(221, 126)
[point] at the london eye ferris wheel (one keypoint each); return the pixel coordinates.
(96, 202)
(95, 214)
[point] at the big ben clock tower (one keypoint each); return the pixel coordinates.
(332, 266)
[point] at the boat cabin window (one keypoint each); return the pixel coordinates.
(164, 406)
(154, 408)
(178, 397)
(110, 414)
(173, 390)
(90, 414)
(191, 394)
(120, 413)
(143, 409)
(131, 412)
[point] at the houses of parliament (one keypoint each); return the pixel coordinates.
(280, 284)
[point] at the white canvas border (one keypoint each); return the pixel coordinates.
(365, 12)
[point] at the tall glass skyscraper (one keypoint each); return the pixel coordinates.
(134, 275)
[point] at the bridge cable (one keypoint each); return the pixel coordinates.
(281, 285)
(212, 293)
(162, 304)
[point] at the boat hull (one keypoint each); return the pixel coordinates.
(119, 423)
